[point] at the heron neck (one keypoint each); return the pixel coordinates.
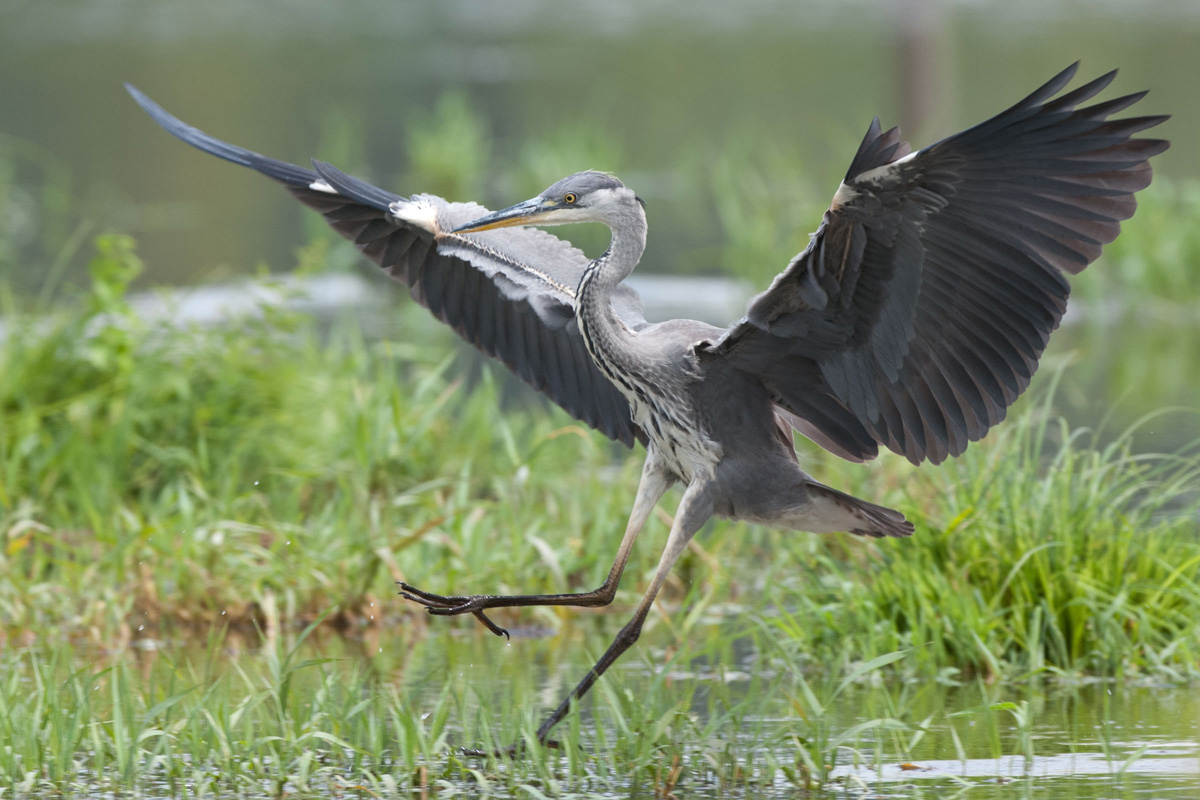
(605, 334)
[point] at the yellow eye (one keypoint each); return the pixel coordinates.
(569, 197)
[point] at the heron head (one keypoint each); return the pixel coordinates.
(583, 197)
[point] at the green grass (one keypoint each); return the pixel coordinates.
(252, 479)
(179, 479)
(1039, 550)
(199, 476)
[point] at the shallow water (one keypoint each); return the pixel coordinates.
(1046, 739)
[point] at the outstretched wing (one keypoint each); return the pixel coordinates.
(918, 312)
(509, 292)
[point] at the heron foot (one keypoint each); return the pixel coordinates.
(451, 605)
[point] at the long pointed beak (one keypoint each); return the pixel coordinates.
(530, 212)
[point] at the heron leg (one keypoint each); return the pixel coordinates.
(653, 484)
(694, 510)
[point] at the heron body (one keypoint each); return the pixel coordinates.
(658, 384)
(914, 318)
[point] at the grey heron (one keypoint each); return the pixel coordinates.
(913, 319)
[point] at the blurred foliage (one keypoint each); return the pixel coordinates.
(570, 148)
(743, 209)
(449, 150)
(36, 213)
(764, 208)
(1157, 255)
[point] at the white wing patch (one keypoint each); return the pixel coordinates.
(841, 197)
(879, 174)
(419, 212)
(320, 185)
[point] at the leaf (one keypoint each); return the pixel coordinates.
(549, 557)
(881, 723)
(18, 544)
(867, 667)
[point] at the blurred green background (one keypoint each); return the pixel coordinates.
(657, 91)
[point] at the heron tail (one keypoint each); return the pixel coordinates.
(866, 519)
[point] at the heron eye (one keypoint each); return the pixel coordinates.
(569, 198)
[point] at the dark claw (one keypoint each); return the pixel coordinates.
(416, 595)
(430, 604)
(448, 606)
(491, 626)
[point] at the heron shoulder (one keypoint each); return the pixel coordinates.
(674, 342)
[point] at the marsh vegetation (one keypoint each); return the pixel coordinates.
(201, 527)
(259, 486)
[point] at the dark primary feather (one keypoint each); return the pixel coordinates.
(918, 312)
(510, 292)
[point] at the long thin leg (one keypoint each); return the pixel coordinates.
(653, 484)
(694, 510)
